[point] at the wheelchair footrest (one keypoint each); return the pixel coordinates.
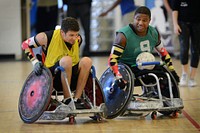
(175, 102)
(63, 111)
(171, 105)
(145, 105)
(148, 105)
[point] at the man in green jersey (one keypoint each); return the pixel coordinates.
(134, 39)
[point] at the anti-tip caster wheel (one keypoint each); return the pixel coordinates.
(96, 117)
(71, 119)
(175, 114)
(153, 115)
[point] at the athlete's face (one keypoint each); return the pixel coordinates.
(70, 36)
(141, 23)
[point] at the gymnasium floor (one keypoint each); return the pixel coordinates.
(14, 73)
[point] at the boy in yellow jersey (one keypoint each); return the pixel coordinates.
(61, 48)
(134, 39)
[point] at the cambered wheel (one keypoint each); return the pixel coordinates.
(35, 96)
(115, 105)
(100, 98)
(165, 90)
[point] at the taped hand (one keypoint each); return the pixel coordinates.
(120, 83)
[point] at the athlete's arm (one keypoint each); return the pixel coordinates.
(164, 54)
(116, 52)
(34, 42)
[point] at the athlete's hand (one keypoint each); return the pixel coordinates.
(120, 83)
(103, 14)
(38, 68)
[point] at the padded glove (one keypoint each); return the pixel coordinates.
(175, 76)
(38, 68)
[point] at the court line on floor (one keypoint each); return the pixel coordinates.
(194, 123)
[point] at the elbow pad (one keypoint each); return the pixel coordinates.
(116, 53)
(27, 47)
(30, 43)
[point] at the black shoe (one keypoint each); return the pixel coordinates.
(80, 104)
(66, 101)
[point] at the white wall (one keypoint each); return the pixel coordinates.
(10, 28)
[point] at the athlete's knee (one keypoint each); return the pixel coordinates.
(66, 61)
(86, 62)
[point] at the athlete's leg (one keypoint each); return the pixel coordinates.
(184, 38)
(195, 46)
(66, 63)
(84, 70)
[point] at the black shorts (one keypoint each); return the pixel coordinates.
(57, 78)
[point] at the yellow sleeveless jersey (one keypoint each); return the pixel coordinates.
(58, 49)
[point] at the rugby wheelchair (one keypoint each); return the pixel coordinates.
(147, 91)
(39, 102)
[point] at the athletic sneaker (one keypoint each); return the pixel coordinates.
(183, 81)
(79, 104)
(66, 101)
(192, 83)
(53, 104)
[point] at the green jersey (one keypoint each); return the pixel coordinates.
(136, 44)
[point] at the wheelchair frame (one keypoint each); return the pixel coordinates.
(167, 105)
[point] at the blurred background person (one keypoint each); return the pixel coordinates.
(174, 37)
(81, 9)
(186, 20)
(46, 15)
(158, 17)
(127, 9)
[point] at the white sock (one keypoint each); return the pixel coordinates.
(75, 99)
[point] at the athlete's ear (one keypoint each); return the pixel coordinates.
(149, 20)
(62, 31)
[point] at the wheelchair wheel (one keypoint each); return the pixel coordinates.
(117, 100)
(35, 96)
(89, 91)
(165, 90)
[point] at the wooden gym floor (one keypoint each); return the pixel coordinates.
(14, 73)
